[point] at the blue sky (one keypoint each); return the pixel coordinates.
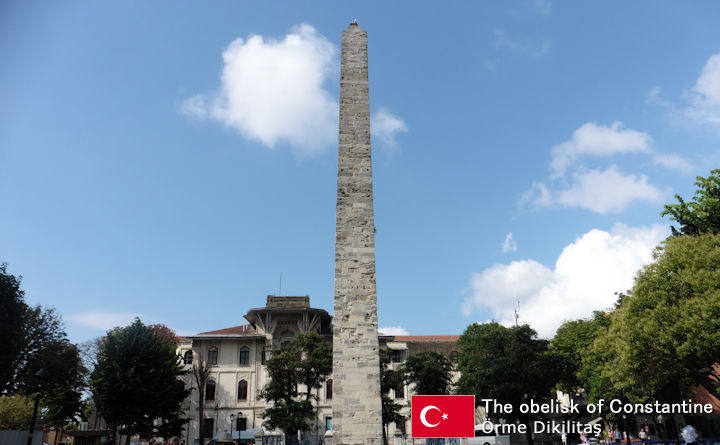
(171, 160)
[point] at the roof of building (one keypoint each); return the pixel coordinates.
(245, 329)
(427, 337)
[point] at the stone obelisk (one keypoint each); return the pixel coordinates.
(357, 407)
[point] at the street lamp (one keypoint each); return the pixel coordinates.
(41, 374)
(232, 419)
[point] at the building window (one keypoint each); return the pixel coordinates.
(328, 390)
(241, 423)
(262, 357)
(244, 355)
(328, 423)
(454, 356)
(242, 390)
(210, 390)
(209, 427)
(395, 356)
(188, 357)
(401, 427)
(212, 355)
(400, 390)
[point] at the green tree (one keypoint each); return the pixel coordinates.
(429, 371)
(136, 383)
(28, 334)
(510, 365)
(15, 412)
(305, 361)
(667, 331)
(62, 390)
(702, 214)
(389, 380)
(570, 344)
(12, 327)
(34, 338)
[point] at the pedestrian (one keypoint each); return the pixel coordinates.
(689, 435)
(642, 435)
(618, 435)
(174, 440)
(564, 438)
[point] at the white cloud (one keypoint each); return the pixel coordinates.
(608, 191)
(674, 161)
(537, 196)
(705, 95)
(503, 41)
(509, 245)
(393, 330)
(102, 320)
(273, 91)
(385, 126)
(596, 140)
(586, 275)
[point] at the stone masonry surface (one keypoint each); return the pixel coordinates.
(357, 409)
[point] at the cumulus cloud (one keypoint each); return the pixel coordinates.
(386, 126)
(702, 101)
(102, 320)
(705, 95)
(596, 140)
(509, 244)
(585, 278)
(600, 191)
(572, 184)
(393, 330)
(608, 191)
(273, 91)
(503, 41)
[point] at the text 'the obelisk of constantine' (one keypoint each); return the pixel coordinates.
(357, 409)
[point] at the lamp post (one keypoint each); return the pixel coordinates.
(232, 419)
(41, 374)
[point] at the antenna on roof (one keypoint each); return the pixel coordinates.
(280, 288)
(517, 313)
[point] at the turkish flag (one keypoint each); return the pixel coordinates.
(443, 416)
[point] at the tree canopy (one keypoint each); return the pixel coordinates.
(569, 345)
(34, 339)
(429, 371)
(702, 214)
(307, 361)
(667, 332)
(510, 365)
(136, 382)
(389, 380)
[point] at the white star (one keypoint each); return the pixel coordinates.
(444, 416)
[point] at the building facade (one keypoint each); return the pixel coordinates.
(236, 358)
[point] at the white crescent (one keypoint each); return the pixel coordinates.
(424, 412)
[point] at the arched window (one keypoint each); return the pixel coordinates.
(262, 356)
(242, 390)
(212, 355)
(454, 356)
(244, 355)
(188, 357)
(210, 390)
(328, 390)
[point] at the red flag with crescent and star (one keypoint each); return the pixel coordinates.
(443, 416)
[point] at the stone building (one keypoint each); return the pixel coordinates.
(236, 357)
